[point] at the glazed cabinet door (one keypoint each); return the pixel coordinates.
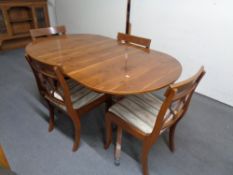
(3, 28)
(41, 15)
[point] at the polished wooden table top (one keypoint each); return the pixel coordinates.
(107, 65)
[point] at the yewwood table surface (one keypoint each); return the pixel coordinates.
(107, 65)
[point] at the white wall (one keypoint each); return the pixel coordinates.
(104, 17)
(52, 14)
(197, 33)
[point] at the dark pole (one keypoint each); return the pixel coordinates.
(128, 26)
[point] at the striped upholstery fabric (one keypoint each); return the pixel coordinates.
(80, 95)
(140, 111)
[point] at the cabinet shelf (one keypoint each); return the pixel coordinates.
(20, 20)
(22, 35)
(16, 36)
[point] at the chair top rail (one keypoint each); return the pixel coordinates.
(134, 39)
(45, 32)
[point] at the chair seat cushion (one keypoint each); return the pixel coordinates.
(139, 110)
(80, 95)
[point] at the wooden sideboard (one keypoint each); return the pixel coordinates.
(17, 17)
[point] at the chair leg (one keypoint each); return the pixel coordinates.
(108, 103)
(51, 117)
(77, 132)
(144, 156)
(144, 159)
(171, 137)
(118, 146)
(108, 132)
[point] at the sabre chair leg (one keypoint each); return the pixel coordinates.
(77, 133)
(144, 158)
(171, 138)
(118, 146)
(51, 117)
(108, 132)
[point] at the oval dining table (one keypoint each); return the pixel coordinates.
(106, 65)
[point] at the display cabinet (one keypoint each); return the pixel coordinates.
(17, 17)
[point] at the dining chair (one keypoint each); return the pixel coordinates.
(65, 94)
(47, 32)
(132, 39)
(146, 117)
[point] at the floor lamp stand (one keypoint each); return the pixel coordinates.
(128, 24)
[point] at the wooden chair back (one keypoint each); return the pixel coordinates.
(178, 97)
(134, 40)
(47, 32)
(3, 160)
(50, 79)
